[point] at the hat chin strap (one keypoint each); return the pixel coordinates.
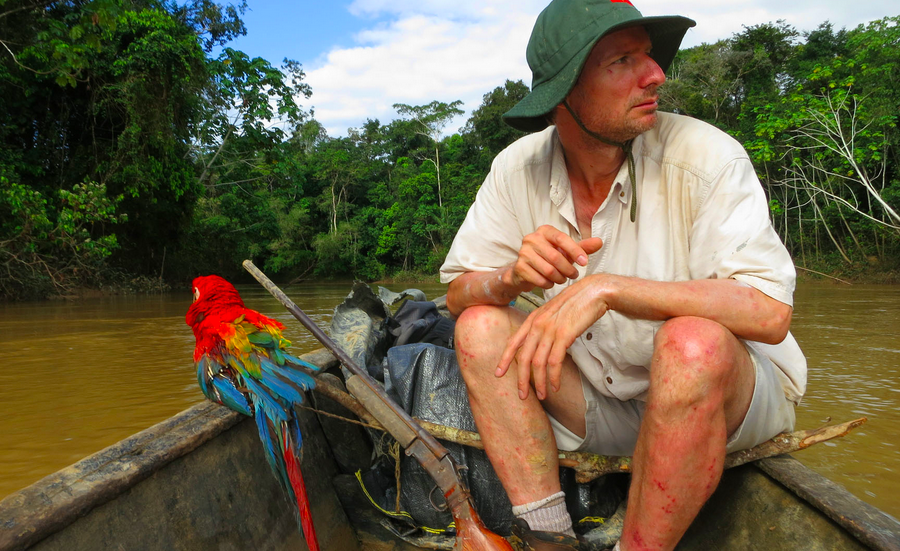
(626, 147)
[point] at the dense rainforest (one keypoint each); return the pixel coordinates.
(138, 148)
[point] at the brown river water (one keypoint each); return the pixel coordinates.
(79, 376)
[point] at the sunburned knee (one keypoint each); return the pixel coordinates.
(476, 320)
(481, 331)
(693, 349)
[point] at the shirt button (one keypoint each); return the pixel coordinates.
(589, 336)
(609, 380)
(621, 194)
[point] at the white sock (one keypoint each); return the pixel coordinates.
(547, 515)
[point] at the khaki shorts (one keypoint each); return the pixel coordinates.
(613, 425)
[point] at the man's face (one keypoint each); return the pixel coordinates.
(616, 92)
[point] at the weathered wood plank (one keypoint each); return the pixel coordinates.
(59, 499)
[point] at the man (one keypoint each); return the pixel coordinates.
(665, 333)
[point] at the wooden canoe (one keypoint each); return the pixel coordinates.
(199, 481)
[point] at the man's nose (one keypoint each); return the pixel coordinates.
(653, 74)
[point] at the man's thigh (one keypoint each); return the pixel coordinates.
(483, 331)
(611, 425)
(568, 406)
(770, 412)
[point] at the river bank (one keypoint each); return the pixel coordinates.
(152, 286)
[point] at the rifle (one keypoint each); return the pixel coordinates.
(471, 533)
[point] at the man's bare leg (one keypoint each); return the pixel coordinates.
(516, 433)
(701, 384)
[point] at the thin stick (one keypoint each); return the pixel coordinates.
(589, 466)
(329, 389)
(823, 275)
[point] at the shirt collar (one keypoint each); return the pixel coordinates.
(561, 186)
(622, 186)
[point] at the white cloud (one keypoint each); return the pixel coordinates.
(419, 57)
(717, 20)
(417, 51)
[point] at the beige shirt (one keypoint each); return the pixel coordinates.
(701, 214)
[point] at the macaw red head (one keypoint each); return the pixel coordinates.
(211, 293)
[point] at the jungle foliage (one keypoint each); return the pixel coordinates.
(817, 112)
(137, 144)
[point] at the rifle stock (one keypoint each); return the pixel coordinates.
(471, 534)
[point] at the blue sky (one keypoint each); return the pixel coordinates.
(362, 56)
(299, 30)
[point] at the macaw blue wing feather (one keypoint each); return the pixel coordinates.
(204, 377)
(219, 388)
(298, 378)
(230, 396)
(297, 361)
(282, 388)
(269, 404)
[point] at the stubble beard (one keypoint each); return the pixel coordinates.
(627, 128)
(620, 127)
(635, 127)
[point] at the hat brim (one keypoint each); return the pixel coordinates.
(530, 114)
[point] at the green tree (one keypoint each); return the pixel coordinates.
(486, 129)
(833, 137)
(429, 121)
(125, 93)
(706, 82)
(46, 245)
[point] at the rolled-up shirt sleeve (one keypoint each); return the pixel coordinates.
(732, 236)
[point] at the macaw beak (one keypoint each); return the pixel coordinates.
(196, 294)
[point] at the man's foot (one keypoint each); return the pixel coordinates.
(536, 540)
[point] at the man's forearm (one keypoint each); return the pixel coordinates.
(742, 309)
(474, 288)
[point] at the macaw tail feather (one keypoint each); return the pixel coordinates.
(292, 463)
(273, 442)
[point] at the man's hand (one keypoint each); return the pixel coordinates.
(539, 346)
(548, 257)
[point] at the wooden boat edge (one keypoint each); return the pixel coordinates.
(866, 522)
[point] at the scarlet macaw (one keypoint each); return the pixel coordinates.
(242, 363)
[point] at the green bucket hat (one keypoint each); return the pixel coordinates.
(563, 37)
